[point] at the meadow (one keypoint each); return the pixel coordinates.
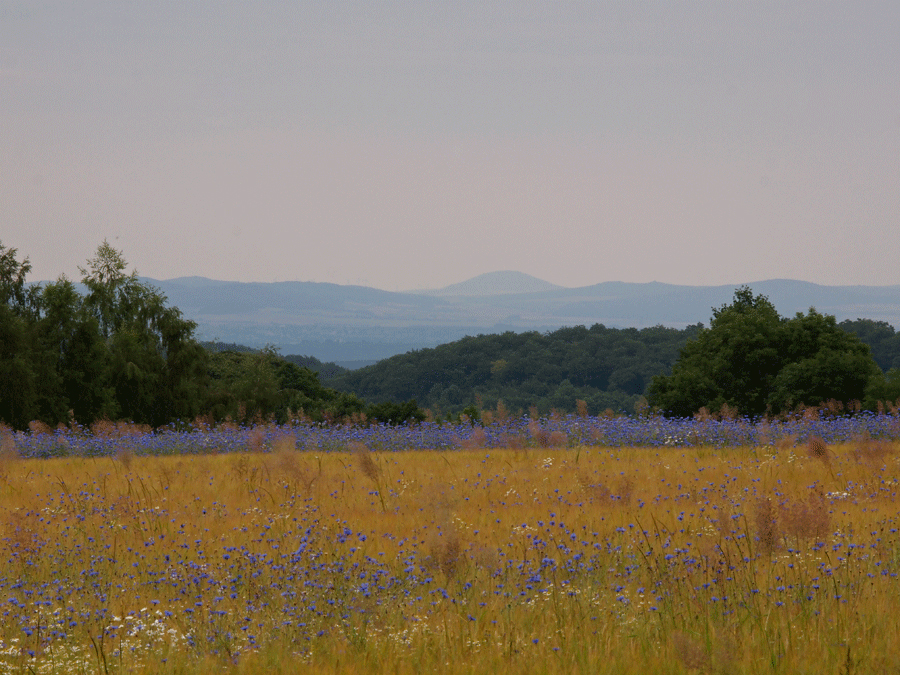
(576, 544)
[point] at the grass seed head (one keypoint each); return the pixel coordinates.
(366, 464)
(818, 449)
(766, 525)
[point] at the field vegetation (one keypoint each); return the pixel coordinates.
(245, 518)
(550, 553)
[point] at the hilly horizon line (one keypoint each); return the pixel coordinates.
(505, 282)
(335, 322)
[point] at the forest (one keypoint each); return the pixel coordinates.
(608, 369)
(119, 352)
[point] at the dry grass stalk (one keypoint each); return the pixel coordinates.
(724, 521)
(598, 492)
(833, 408)
(538, 434)
(874, 453)
(727, 412)
(766, 525)
(487, 558)
(125, 456)
(816, 448)
(446, 552)
(581, 408)
(502, 412)
(256, 439)
(37, 428)
(477, 439)
(806, 520)
(288, 465)
(103, 429)
(703, 415)
(621, 494)
(284, 445)
(763, 433)
(513, 442)
(690, 652)
(106, 429)
(557, 439)
(811, 414)
(8, 450)
(786, 443)
(625, 490)
(365, 462)
(726, 653)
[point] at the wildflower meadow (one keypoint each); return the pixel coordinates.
(559, 545)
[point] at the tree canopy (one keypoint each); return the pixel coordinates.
(116, 350)
(756, 362)
(119, 352)
(604, 367)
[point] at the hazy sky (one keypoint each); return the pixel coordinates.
(413, 144)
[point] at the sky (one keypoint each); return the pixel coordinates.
(406, 144)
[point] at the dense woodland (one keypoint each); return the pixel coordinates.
(605, 367)
(118, 352)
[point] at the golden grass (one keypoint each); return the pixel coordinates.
(504, 561)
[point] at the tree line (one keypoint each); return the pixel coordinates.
(607, 368)
(750, 359)
(118, 352)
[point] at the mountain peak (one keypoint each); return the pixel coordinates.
(506, 282)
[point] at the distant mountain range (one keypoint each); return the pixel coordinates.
(362, 325)
(494, 283)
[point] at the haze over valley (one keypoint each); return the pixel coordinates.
(354, 325)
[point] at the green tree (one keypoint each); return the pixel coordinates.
(14, 293)
(157, 367)
(258, 389)
(18, 391)
(819, 361)
(260, 384)
(396, 414)
(732, 362)
(606, 367)
(72, 359)
(18, 379)
(881, 337)
(754, 361)
(884, 388)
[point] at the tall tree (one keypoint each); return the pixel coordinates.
(754, 361)
(18, 394)
(157, 368)
(72, 359)
(820, 362)
(14, 293)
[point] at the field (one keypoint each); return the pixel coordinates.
(549, 554)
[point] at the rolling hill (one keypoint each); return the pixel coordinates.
(360, 324)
